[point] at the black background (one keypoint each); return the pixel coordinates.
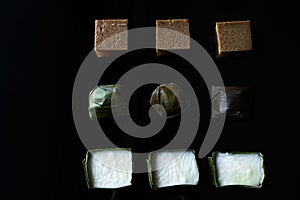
(42, 46)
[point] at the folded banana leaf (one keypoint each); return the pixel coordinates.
(108, 168)
(171, 168)
(168, 96)
(245, 169)
(235, 102)
(100, 102)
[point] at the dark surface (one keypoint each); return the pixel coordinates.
(43, 44)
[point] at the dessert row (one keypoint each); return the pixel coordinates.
(234, 102)
(113, 168)
(231, 37)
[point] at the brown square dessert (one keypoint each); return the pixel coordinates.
(110, 35)
(233, 37)
(172, 34)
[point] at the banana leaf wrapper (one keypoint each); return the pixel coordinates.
(100, 105)
(234, 102)
(169, 97)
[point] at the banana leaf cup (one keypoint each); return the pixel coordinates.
(108, 168)
(172, 168)
(237, 169)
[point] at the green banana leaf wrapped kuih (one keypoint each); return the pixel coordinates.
(168, 96)
(171, 168)
(235, 102)
(245, 169)
(100, 101)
